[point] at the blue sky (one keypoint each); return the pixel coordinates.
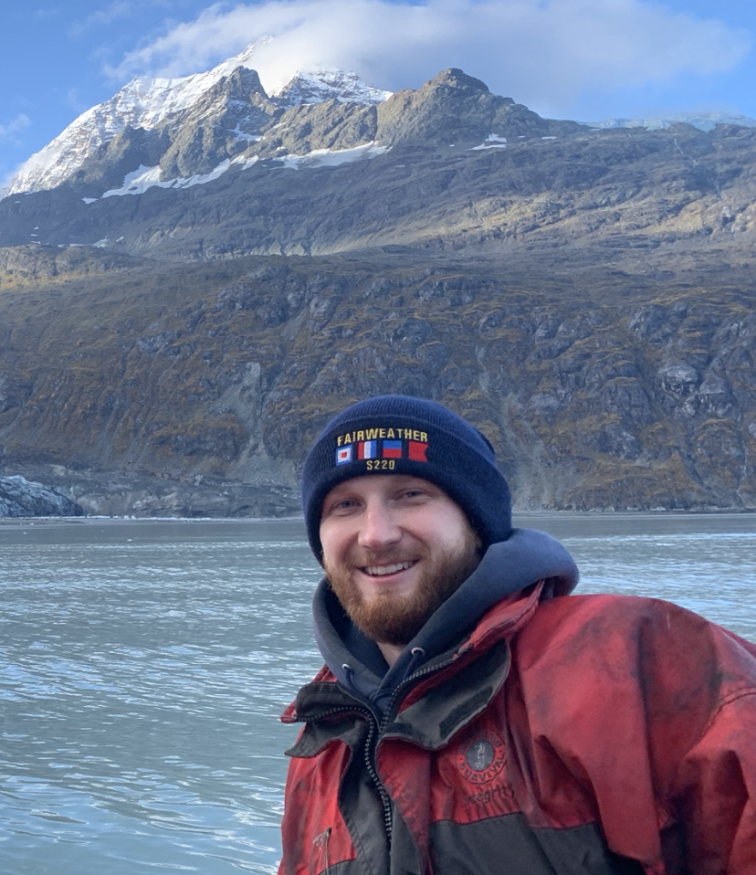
(582, 59)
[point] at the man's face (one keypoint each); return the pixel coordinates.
(395, 548)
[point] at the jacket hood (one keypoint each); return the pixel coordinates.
(507, 567)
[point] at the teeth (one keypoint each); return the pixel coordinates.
(381, 570)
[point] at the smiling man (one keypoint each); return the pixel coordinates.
(472, 717)
(394, 549)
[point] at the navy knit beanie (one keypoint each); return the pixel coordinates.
(396, 434)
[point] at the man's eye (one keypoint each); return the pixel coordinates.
(344, 504)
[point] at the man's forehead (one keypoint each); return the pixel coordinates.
(381, 483)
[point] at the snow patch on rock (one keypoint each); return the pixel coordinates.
(145, 178)
(329, 158)
(492, 141)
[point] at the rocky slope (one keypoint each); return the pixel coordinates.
(181, 315)
(196, 390)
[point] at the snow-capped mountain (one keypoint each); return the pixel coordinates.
(175, 133)
(234, 172)
(704, 121)
(327, 83)
(162, 104)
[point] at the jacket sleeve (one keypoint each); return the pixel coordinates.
(713, 796)
(652, 711)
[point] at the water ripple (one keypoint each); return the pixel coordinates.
(144, 665)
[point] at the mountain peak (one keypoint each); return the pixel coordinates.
(158, 104)
(328, 83)
(458, 80)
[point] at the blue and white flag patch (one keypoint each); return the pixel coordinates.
(344, 455)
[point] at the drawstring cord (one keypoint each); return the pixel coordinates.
(417, 655)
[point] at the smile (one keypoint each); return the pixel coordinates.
(383, 570)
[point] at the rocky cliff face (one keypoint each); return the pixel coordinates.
(20, 498)
(584, 296)
(599, 388)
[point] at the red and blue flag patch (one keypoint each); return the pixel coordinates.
(392, 449)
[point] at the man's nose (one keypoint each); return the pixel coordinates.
(379, 528)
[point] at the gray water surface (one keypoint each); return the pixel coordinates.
(143, 666)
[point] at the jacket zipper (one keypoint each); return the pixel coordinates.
(369, 756)
(388, 816)
(388, 714)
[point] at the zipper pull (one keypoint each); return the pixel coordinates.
(321, 843)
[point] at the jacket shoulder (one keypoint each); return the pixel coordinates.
(614, 627)
(631, 659)
(625, 611)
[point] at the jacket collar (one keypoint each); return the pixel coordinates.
(444, 697)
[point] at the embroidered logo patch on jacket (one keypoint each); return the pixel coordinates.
(482, 758)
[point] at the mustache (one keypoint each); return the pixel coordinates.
(385, 557)
(360, 558)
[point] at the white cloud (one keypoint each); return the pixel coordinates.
(12, 128)
(114, 10)
(544, 53)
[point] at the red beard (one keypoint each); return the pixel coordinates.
(389, 618)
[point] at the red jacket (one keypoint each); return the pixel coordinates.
(580, 736)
